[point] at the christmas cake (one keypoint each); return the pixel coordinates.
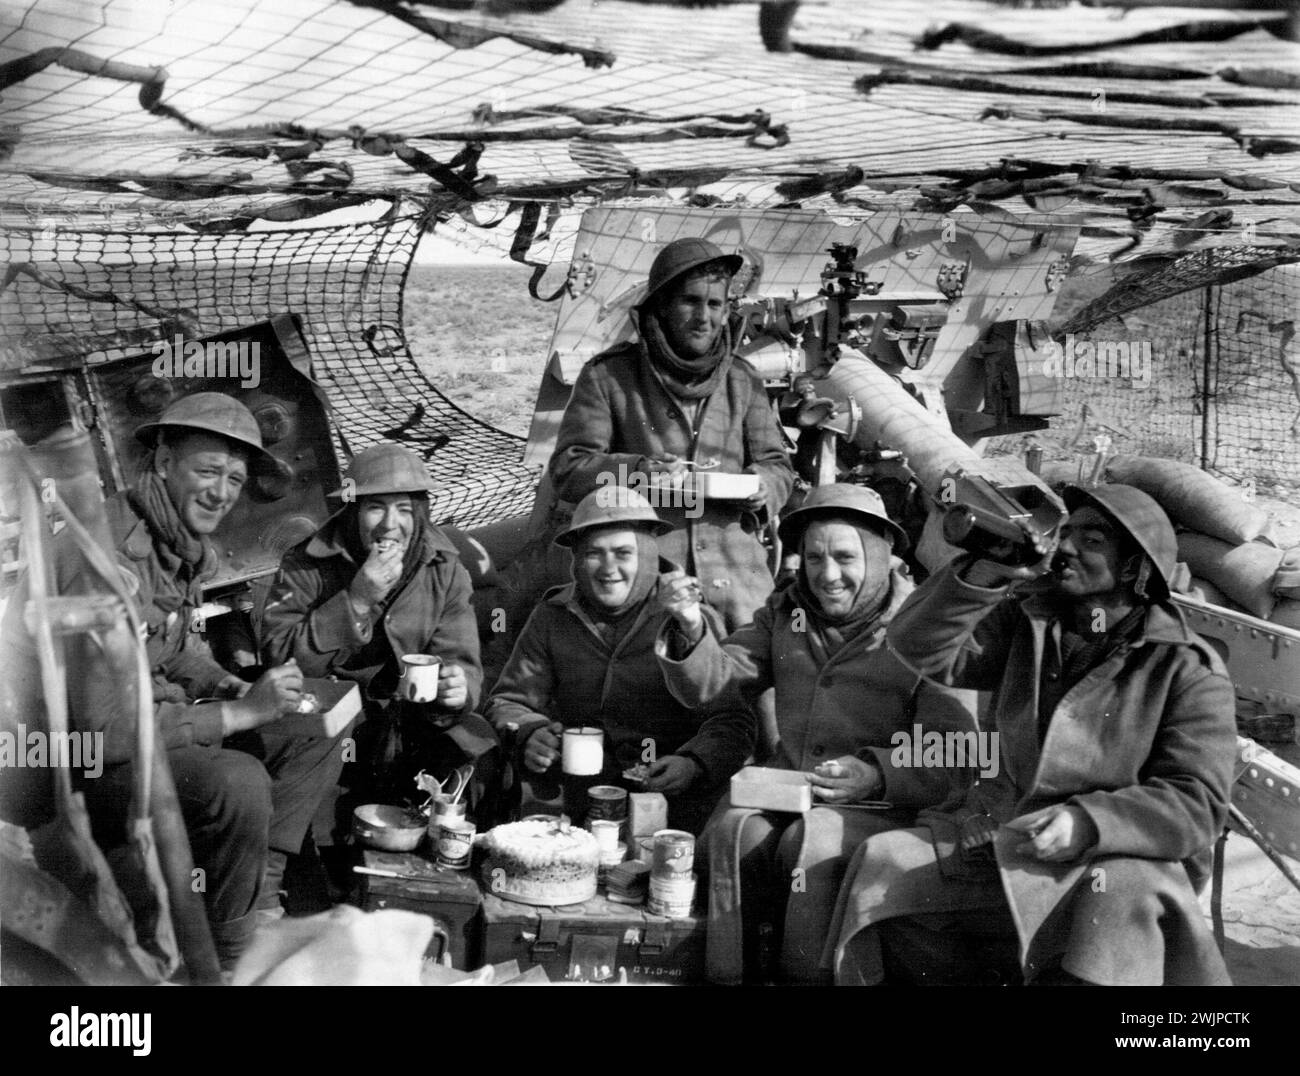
(541, 862)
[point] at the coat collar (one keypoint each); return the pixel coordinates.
(1164, 621)
(138, 543)
(328, 542)
(136, 540)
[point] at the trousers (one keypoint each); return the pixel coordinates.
(255, 792)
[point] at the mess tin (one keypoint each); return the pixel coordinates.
(388, 828)
(419, 682)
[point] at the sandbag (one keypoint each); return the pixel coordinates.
(342, 947)
(1287, 613)
(1286, 581)
(1243, 572)
(1191, 497)
(1204, 590)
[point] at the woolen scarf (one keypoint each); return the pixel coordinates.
(613, 624)
(688, 379)
(152, 503)
(827, 634)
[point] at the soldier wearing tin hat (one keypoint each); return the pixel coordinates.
(1117, 739)
(379, 581)
(243, 790)
(841, 700)
(676, 400)
(586, 657)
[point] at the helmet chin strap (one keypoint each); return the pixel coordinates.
(1137, 574)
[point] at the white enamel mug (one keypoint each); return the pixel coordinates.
(419, 681)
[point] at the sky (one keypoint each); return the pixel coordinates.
(433, 249)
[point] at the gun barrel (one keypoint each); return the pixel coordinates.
(894, 418)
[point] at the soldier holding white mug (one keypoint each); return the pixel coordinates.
(378, 595)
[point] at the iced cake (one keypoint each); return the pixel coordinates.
(541, 862)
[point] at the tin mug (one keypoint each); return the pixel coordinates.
(582, 751)
(419, 681)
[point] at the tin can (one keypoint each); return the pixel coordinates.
(672, 897)
(645, 850)
(607, 802)
(674, 853)
(455, 842)
(444, 813)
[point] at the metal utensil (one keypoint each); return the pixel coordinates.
(463, 776)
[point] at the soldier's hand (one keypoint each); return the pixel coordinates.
(377, 576)
(1057, 834)
(758, 501)
(672, 774)
(667, 469)
(453, 687)
(993, 573)
(543, 747)
(277, 692)
(679, 596)
(845, 780)
(231, 687)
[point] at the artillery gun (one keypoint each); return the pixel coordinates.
(890, 344)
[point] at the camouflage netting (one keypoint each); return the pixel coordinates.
(147, 148)
(102, 295)
(1223, 390)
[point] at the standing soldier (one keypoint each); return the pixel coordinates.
(676, 399)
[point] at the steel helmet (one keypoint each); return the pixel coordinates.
(1141, 518)
(385, 468)
(682, 255)
(612, 506)
(214, 412)
(842, 500)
